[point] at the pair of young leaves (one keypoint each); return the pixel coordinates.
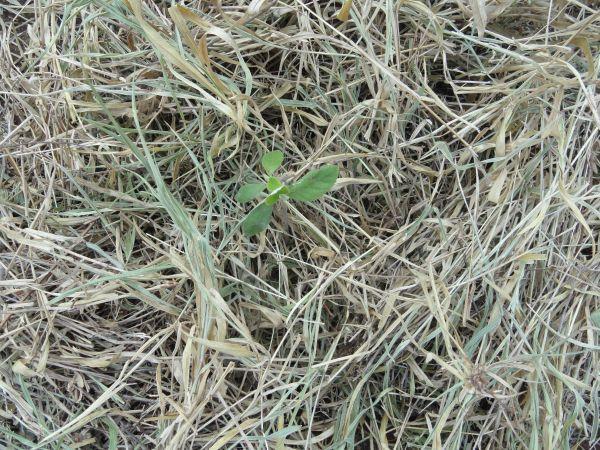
(309, 188)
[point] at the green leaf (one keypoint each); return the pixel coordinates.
(273, 184)
(272, 198)
(314, 184)
(257, 220)
(249, 192)
(271, 161)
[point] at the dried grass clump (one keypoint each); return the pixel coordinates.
(444, 295)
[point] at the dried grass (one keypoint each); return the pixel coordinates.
(444, 295)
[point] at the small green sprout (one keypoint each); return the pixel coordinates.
(309, 188)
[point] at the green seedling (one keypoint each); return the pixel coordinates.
(309, 188)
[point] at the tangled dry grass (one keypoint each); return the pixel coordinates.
(444, 295)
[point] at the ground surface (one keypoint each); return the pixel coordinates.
(445, 294)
